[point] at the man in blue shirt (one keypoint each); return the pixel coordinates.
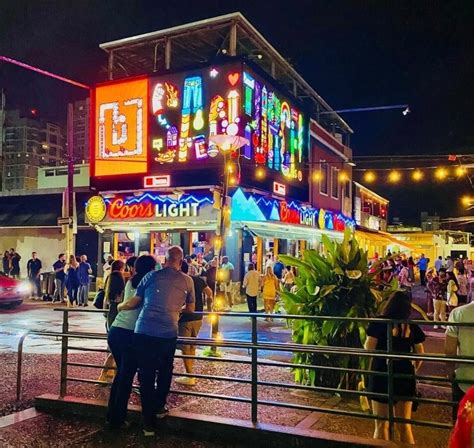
(84, 281)
(423, 266)
(164, 295)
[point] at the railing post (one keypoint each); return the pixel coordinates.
(390, 380)
(64, 344)
(20, 365)
(254, 371)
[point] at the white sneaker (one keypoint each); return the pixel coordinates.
(186, 380)
(436, 327)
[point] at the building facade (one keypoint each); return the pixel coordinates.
(28, 143)
(80, 129)
(164, 153)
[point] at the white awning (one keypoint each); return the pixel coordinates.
(287, 231)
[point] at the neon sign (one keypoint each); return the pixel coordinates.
(149, 206)
(252, 207)
(121, 128)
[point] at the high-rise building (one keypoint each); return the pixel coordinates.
(29, 143)
(81, 131)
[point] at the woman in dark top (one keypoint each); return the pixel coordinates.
(406, 338)
(72, 280)
(114, 287)
(114, 290)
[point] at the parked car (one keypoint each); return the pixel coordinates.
(13, 291)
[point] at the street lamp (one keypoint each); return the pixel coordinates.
(226, 144)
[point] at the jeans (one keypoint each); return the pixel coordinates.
(252, 303)
(72, 293)
(83, 294)
(58, 290)
(121, 345)
(155, 363)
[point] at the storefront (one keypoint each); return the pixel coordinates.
(148, 223)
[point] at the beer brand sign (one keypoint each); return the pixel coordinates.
(153, 207)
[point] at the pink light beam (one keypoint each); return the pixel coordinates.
(43, 72)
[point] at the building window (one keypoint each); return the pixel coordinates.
(324, 178)
(334, 182)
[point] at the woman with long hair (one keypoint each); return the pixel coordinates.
(114, 287)
(463, 286)
(120, 340)
(270, 285)
(406, 338)
(452, 290)
(72, 280)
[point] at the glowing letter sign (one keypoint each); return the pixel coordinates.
(121, 128)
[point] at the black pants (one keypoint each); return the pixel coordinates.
(252, 303)
(155, 363)
(458, 395)
(121, 345)
(36, 282)
(422, 277)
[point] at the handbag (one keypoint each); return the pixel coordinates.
(99, 299)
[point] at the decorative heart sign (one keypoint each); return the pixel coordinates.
(233, 78)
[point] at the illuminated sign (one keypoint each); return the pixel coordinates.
(252, 207)
(156, 181)
(143, 125)
(151, 207)
(279, 189)
(121, 124)
(96, 209)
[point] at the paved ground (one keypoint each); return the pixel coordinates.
(42, 373)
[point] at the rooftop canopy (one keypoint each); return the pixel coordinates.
(202, 42)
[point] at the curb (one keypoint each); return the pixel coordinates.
(203, 427)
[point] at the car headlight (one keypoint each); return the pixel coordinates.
(24, 288)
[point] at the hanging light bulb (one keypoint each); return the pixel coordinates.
(441, 173)
(394, 177)
(343, 177)
(260, 173)
(232, 180)
(370, 177)
(317, 176)
(461, 171)
(417, 175)
(230, 167)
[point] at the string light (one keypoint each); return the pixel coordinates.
(417, 175)
(467, 200)
(394, 177)
(370, 177)
(441, 173)
(232, 180)
(343, 177)
(461, 171)
(317, 176)
(260, 173)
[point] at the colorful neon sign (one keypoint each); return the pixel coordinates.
(153, 207)
(252, 207)
(121, 117)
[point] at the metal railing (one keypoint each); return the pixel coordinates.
(255, 345)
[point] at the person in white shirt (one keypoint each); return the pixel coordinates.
(449, 264)
(108, 267)
(460, 342)
(251, 284)
(438, 264)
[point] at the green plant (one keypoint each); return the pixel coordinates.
(338, 283)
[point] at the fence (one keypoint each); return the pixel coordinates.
(255, 345)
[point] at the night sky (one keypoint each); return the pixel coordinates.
(354, 53)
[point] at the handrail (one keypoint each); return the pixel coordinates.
(255, 345)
